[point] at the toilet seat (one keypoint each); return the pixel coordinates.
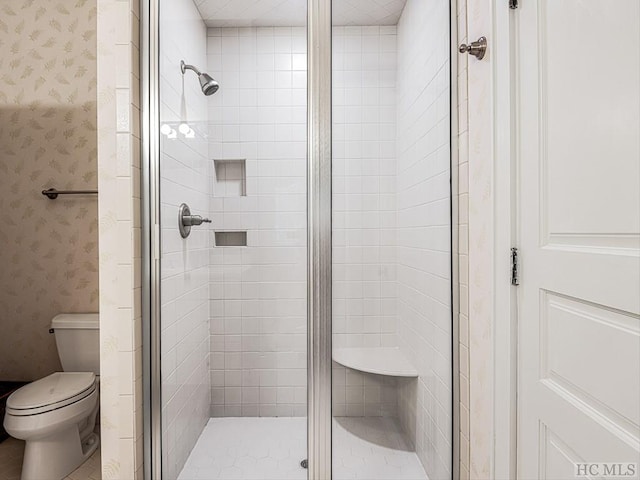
(51, 393)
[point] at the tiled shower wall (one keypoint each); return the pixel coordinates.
(258, 326)
(258, 291)
(364, 211)
(424, 222)
(364, 186)
(184, 172)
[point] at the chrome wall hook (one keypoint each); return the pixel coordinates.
(477, 48)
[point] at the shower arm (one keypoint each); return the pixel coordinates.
(184, 67)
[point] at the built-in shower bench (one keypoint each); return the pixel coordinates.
(379, 360)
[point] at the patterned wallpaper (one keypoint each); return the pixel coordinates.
(48, 249)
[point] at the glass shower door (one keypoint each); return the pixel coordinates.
(270, 232)
(233, 315)
(392, 310)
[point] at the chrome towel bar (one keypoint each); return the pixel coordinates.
(53, 193)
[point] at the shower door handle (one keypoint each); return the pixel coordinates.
(186, 220)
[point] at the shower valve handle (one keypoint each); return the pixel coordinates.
(186, 220)
(194, 220)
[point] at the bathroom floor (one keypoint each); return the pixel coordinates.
(371, 448)
(11, 451)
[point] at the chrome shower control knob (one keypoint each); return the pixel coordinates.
(186, 220)
(194, 220)
(477, 48)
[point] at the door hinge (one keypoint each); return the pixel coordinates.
(513, 4)
(515, 264)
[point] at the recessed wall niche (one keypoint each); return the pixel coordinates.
(230, 178)
(231, 239)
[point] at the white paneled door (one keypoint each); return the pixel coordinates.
(578, 125)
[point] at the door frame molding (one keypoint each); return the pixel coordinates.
(454, 162)
(504, 168)
(492, 230)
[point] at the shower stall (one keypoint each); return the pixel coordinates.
(300, 316)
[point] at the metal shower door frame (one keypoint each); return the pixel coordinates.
(151, 240)
(319, 235)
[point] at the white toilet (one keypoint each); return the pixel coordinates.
(56, 415)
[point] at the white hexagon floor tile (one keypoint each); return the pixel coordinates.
(364, 448)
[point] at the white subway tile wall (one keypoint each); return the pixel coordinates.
(185, 172)
(391, 225)
(260, 117)
(258, 292)
(120, 230)
(360, 394)
(364, 211)
(364, 186)
(423, 209)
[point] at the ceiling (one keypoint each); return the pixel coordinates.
(281, 13)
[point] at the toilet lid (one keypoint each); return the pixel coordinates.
(57, 388)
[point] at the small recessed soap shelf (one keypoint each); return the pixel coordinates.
(230, 178)
(231, 239)
(379, 360)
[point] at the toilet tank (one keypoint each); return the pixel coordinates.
(78, 341)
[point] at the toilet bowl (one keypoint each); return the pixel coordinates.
(56, 415)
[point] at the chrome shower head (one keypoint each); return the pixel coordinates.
(208, 85)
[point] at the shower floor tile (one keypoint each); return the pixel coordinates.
(373, 448)
(369, 448)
